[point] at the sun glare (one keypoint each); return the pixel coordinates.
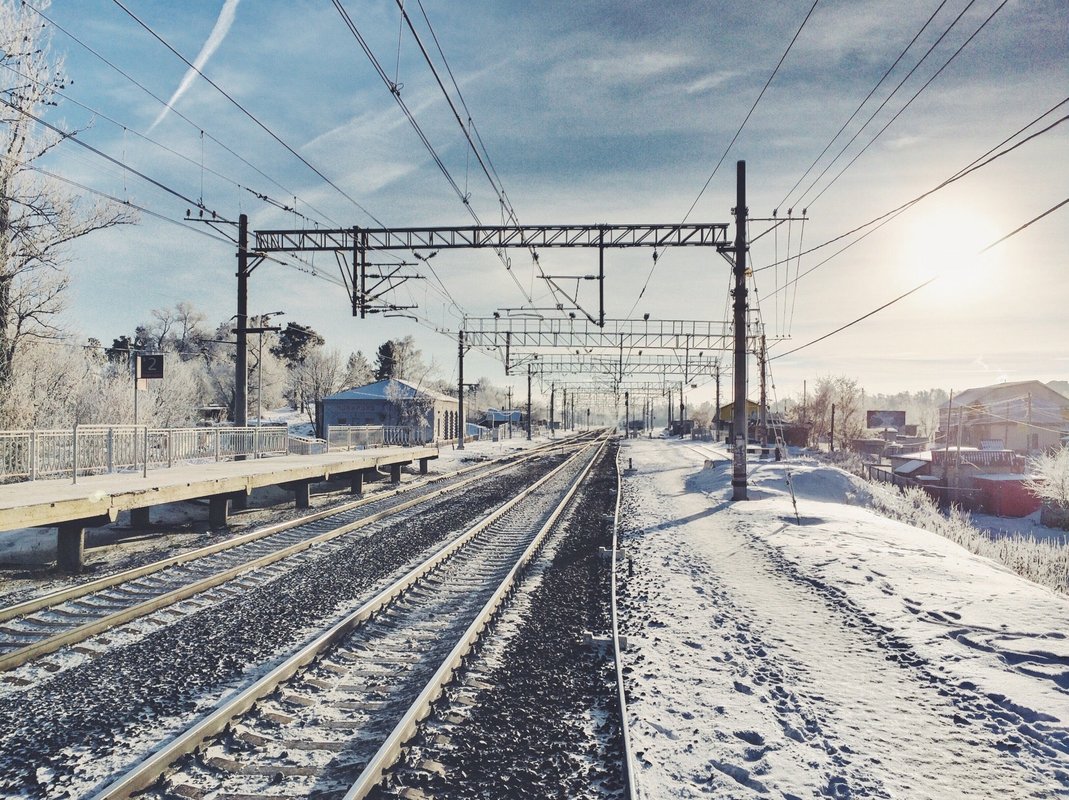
(946, 245)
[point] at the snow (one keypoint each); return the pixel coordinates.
(845, 656)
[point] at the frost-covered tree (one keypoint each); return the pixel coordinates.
(399, 358)
(1050, 481)
(358, 371)
(39, 215)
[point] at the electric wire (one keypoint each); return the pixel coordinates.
(980, 162)
(127, 129)
(727, 150)
(182, 116)
(71, 137)
(898, 113)
(921, 285)
(886, 100)
(395, 90)
(481, 154)
(248, 113)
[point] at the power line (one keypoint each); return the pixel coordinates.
(248, 113)
(727, 150)
(857, 110)
(982, 161)
(182, 116)
(71, 137)
(921, 285)
(898, 113)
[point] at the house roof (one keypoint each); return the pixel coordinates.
(1015, 399)
(910, 467)
(389, 389)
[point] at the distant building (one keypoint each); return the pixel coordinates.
(1024, 416)
(495, 418)
(392, 402)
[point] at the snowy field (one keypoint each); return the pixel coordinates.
(846, 656)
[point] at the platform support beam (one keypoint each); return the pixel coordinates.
(140, 517)
(70, 546)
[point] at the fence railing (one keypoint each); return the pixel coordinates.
(97, 449)
(358, 437)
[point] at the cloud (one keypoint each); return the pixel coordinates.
(219, 32)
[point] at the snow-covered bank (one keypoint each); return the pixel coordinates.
(848, 656)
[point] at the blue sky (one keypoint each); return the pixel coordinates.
(601, 112)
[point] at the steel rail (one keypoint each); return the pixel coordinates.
(51, 644)
(74, 592)
(148, 771)
(390, 750)
(630, 781)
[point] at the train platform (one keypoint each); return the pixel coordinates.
(97, 499)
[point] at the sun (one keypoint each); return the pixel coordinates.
(946, 244)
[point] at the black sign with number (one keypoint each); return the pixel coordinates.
(150, 366)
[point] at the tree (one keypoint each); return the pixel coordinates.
(398, 358)
(316, 377)
(845, 394)
(358, 370)
(1050, 481)
(38, 215)
(295, 342)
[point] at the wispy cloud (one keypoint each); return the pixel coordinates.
(219, 32)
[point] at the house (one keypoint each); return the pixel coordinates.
(1024, 416)
(392, 402)
(495, 418)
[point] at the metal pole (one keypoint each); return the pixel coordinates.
(74, 476)
(738, 475)
(460, 391)
(528, 402)
(241, 362)
(627, 415)
(552, 398)
(259, 387)
(764, 397)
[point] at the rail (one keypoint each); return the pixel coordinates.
(618, 646)
(147, 772)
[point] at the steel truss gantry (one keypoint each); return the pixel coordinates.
(602, 364)
(572, 334)
(360, 241)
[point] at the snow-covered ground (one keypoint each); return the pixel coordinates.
(846, 656)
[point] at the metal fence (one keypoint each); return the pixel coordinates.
(358, 437)
(98, 449)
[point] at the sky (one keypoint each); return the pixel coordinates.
(600, 112)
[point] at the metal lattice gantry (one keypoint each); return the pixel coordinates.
(571, 334)
(360, 241)
(599, 365)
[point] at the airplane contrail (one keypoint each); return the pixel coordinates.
(222, 27)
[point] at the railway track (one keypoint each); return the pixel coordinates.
(44, 625)
(330, 719)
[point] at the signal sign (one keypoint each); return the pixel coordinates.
(150, 366)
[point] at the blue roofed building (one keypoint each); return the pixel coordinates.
(392, 402)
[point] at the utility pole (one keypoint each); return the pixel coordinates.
(764, 396)
(528, 402)
(738, 474)
(552, 410)
(564, 411)
(832, 441)
(627, 415)
(510, 412)
(717, 375)
(241, 361)
(463, 427)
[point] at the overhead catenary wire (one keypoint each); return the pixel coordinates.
(861, 105)
(727, 149)
(395, 91)
(907, 104)
(185, 118)
(248, 113)
(979, 163)
(482, 155)
(919, 286)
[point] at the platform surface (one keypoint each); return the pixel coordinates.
(47, 503)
